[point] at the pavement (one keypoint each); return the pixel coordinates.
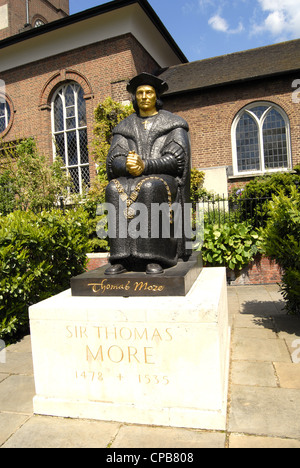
(263, 397)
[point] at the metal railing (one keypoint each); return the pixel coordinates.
(219, 210)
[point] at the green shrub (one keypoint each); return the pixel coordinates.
(7, 193)
(197, 180)
(38, 256)
(28, 181)
(253, 199)
(107, 115)
(282, 243)
(230, 245)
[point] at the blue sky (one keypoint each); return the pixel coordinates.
(207, 28)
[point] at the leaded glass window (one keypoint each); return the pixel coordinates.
(70, 133)
(4, 114)
(261, 139)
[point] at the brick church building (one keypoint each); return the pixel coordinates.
(55, 68)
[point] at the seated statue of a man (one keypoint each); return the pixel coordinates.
(148, 163)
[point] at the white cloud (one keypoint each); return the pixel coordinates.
(220, 24)
(282, 18)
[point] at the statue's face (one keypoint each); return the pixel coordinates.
(146, 98)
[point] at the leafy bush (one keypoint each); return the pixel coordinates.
(7, 193)
(282, 243)
(253, 200)
(230, 245)
(197, 180)
(107, 115)
(28, 181)
(38, 256)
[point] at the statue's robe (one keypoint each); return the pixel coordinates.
(164, 146)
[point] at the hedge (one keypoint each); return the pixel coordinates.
(39, 253)
(282, 243)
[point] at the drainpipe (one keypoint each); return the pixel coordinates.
(27, 12)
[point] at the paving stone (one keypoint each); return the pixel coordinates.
(261, 374)
(167, 437)
(17, 363)
(287, 326)
(264, 391)
(265, 411)
(259, 308)
(254, 321)
(9, 423)
(245, 441)
(260, 333)
(3, 377)
(288, 374)
(256, 349)
(49, 432)
(22, 346)
(16, 394)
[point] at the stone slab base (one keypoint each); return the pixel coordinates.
(155, 361)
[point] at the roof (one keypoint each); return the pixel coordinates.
(135, 16)
(233, 68)
(92, 12)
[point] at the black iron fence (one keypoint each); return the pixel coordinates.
(220, 210)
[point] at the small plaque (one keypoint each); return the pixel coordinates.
(175, 281)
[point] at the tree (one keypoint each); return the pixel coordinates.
(28, 181)
(107, 115)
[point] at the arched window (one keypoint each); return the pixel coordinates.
(70, 133)
(39, 22)
(261, 139)
(5, 114)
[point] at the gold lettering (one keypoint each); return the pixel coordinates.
(98, 331)
(69, 331)
(114, 332)
(140, 286)
(120, 357)
(147, 287)
(156, 335)
(140, 336)
(129, 335)
(103, 286)
(132, 355)
(168, 333)
(82, 331)
(99, 354)
(148, 356)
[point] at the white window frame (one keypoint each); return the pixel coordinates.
(62, 90)
(260, 122)
(6, 115)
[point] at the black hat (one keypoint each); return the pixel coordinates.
(147, 79)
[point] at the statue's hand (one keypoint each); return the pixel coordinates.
(134, 164)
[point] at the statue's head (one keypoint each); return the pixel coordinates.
(146, 90)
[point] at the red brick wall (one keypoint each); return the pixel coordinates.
(261, 271)
(103, 69)
(47, 11)
(96, 261)
(96, 68)
(211, 112)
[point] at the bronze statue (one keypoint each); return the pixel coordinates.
(149, 164)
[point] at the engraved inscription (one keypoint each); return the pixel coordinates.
(105, 285)
(106, 348)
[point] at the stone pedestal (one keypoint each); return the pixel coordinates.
(143, 360)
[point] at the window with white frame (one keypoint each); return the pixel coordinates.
(261, 139)
(70, 133)
(5, 114)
